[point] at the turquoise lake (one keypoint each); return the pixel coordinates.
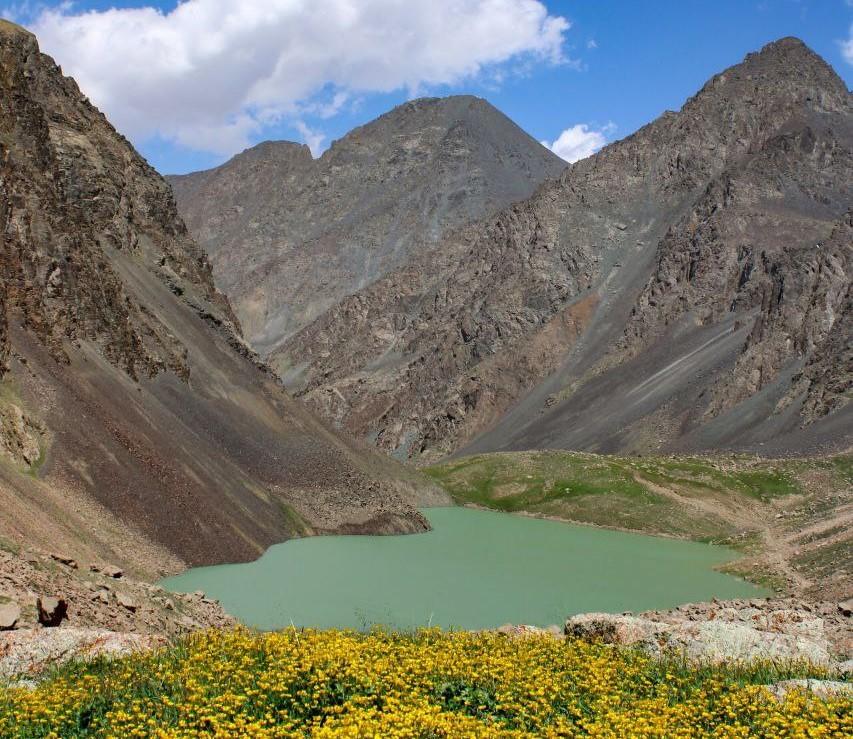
(475, 569)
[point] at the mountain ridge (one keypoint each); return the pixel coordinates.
(290, 236)
(582, 248)
(131, 409)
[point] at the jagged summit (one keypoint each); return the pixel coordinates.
(267, 149)
(785, 61)
(290, 237)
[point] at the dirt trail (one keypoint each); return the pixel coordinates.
(740, 516)
(779, 546)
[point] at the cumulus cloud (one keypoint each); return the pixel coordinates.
(210, 74)
(579, 141)
(847, 48)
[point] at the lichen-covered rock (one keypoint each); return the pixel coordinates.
(29, 652)
(731, 631)
(718, 641)
(824, 689)
(614, 629)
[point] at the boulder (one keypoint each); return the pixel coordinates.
(30, 652)
(125, 601)
(845, 608)
(65, 560)
(51, 611)
(719, 641)
(10, 614)
(102, 596)
(715, 640)
(520, 630)
(108, 570)
(613, 629)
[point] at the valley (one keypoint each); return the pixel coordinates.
(490, 442)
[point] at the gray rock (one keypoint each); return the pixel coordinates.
(718, 641)
(846, 607)
(10, 615)
(820, 688)
(707, 640)
(126, 601)
(108, 570)
(29, 652)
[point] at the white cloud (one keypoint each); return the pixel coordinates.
(313, 138)
(211, 73)
(579, 141)
(847, 48)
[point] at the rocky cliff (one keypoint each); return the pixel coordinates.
(137, 426)
(290, 236)
(685, 288)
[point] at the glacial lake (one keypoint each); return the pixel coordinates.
(475, 569)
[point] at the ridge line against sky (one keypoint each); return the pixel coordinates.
(193, 83)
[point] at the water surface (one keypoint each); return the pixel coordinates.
(476, 569)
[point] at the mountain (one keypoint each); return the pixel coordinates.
(290, 236)
(136, 426)
(686, 288)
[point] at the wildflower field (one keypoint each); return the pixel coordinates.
(429, 684)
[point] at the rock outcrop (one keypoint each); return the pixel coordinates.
(290, 236)
(26, 654)
(136, 426)
(685, 288)
(772, 629)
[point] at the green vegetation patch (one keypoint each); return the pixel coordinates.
(295, 523)
(644, 493)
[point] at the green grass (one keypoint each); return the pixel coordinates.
(295, 523)
(621, 492)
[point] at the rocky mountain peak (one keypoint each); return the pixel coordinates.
(289, 239)
(271, 154)
(536, 324)
(784, 70)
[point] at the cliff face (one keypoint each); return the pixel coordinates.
(131, 410)
(635, 303)
(290, 236)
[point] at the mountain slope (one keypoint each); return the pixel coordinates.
(135, 424)
(290, 236)
(629, 304)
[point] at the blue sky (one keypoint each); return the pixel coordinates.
(600, 69)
